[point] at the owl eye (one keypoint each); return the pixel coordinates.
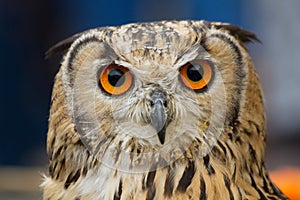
(196, 75)
(115, 79)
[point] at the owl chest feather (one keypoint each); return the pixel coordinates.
(202, 178)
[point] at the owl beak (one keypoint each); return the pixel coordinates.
(159, 114)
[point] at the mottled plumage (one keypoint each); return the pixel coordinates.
(159, 138)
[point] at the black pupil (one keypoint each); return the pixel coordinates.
(195, 72)
(116, 77)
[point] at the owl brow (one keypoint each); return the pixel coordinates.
(234, 47)
(194, 53)
(74, 50)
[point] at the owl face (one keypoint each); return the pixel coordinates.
(152, 90)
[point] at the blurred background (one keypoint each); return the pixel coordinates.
(29, 28)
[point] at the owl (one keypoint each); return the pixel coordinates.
(158, 110)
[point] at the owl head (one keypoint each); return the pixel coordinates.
(154, 92)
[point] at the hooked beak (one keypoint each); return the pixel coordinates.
(159, 114)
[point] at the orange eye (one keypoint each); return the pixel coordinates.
(196, 75)
(115, 79)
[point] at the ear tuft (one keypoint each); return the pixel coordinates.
(62, 46)
(236, 31)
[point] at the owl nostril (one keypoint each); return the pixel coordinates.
(158, 97)
(165, 104)
(151, 103)
(158, 101)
